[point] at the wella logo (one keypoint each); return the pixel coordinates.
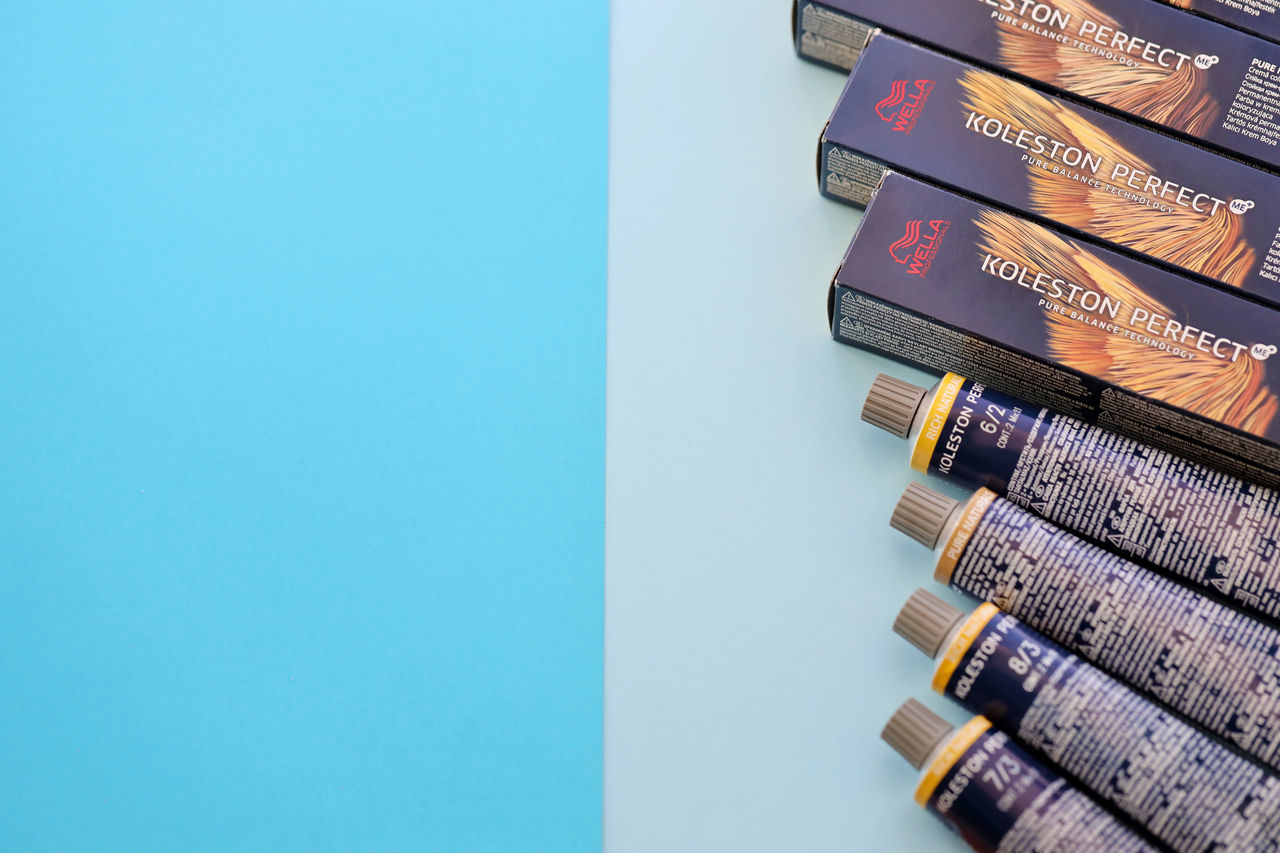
(902, 108)
(919, 245)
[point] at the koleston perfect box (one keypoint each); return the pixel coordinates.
(943, 282)
(1256, 16)
(1183, 73)
(912, 110)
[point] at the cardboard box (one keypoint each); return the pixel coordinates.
(1148, 61)
(912, 110)
(1261, 17)
(946, 283)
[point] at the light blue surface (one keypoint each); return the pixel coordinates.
(752, 575)
(303, 378)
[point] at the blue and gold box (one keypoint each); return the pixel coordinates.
(916, 111)
(1150, 62)
(943, 282)
(1261, 17)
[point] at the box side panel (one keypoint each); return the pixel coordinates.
(827, 36)
(849, 176)
(912, 338)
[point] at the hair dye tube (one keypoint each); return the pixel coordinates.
(1185, 788)
(994, 795)
(1205, 660)
(1210, 528)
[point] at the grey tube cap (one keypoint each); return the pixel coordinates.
(891, 404)
(926, 621)
(915, 732)
(922, 514)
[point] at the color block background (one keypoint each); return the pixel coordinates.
(303, 337)
(752, 574)
(303, 340)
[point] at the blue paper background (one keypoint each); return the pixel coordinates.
(753, 578)
(303, 340)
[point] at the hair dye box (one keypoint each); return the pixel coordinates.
(912, 110)
(946, 283)
(1149, 61)
(1261, 17)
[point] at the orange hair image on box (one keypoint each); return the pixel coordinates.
(1176, 97)
(1209, 243)
(1233, 392)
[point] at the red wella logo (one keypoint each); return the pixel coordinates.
(903, 106)
(919, 245)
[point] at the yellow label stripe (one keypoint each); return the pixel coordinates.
(960, 537)
(935, 420)
(950, 754)
(973, 626)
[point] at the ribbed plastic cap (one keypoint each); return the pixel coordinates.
(922, 514)
(891, 404)
(915, 731)
(926, 621)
